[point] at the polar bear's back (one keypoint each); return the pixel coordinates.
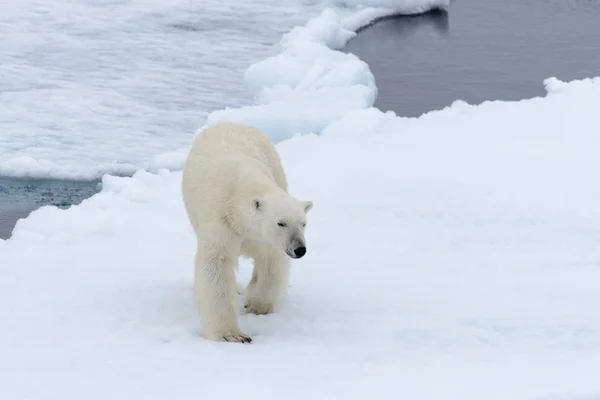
(229, 139)
(221, 155)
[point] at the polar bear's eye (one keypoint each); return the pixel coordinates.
(282, 224)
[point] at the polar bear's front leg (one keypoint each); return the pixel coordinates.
(269, 282)
(215, 289)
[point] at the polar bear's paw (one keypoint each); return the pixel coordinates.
(232, 336)
(257, 306)
(237, 338)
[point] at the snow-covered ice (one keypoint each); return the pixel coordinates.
(88, 87)
(450, 256)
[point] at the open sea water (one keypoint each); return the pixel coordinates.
(480, 50)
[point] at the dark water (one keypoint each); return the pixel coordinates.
(480, 50)
(18, 197)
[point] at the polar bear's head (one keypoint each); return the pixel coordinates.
(280, 220)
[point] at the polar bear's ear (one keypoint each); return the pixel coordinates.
(257, 203)
(308, 205)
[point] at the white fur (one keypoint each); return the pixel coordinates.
(235, 195)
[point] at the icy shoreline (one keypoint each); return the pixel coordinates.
(19, 197)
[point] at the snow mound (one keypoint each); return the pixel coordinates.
(308, 85)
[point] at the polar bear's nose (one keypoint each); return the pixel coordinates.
(299, 251)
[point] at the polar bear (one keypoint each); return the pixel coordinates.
(236, 197)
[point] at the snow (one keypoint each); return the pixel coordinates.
(453, 256)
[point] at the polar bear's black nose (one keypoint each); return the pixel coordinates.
(299, 251)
